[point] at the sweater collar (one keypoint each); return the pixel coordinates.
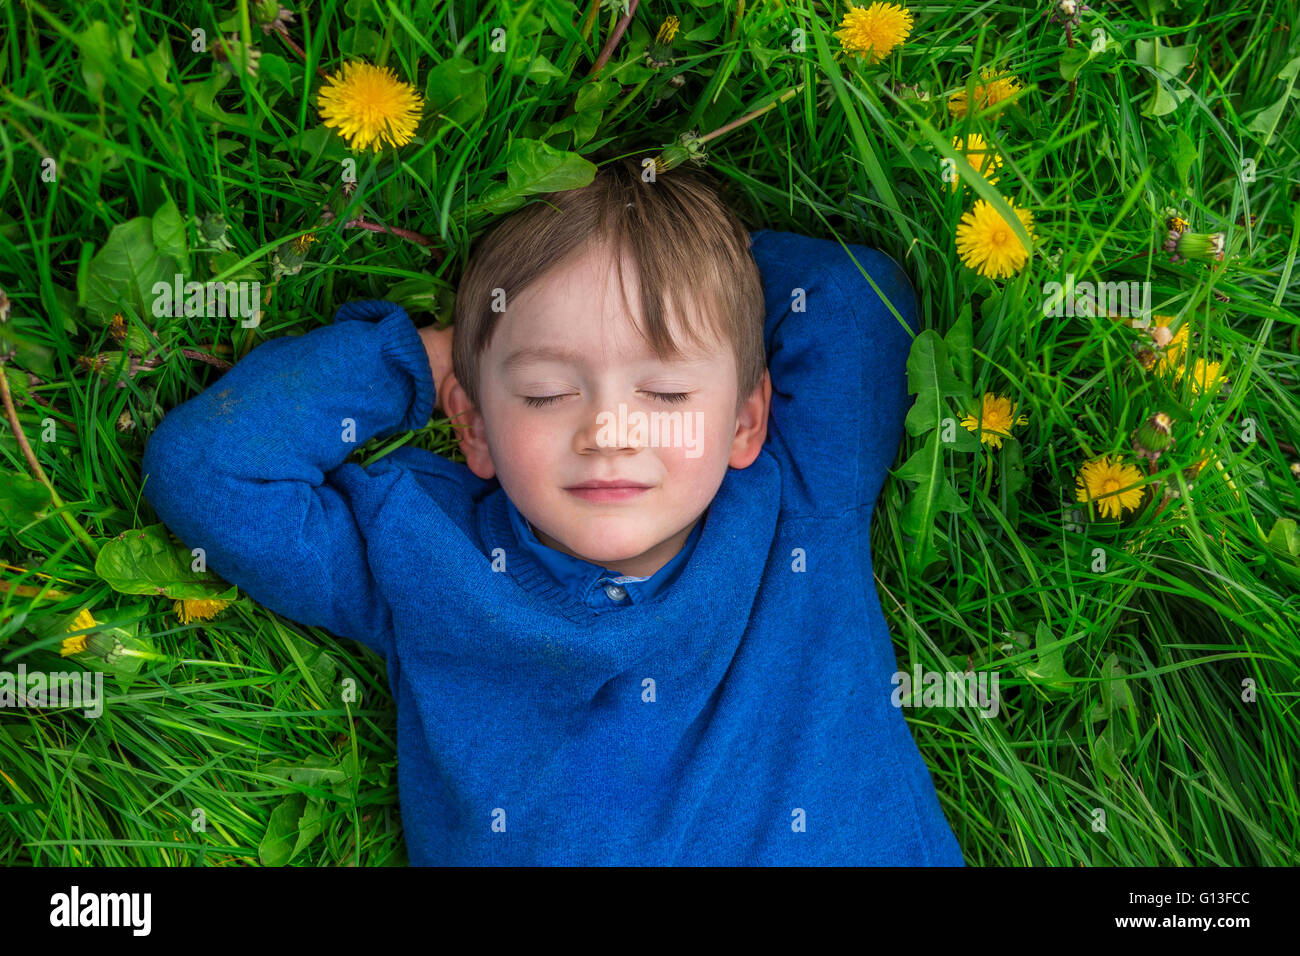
(592, 584)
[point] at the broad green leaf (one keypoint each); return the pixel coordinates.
(533, 167)
(169, 232)
(309, 825)
(930, 378)
(457, 89)
(1168, 62)
(146, 561)
(1285, 537)
(1073, 59)
(1267, 119)
(424, 294)
(122, 274)
(22, 500)
(932, 494)
(960, 342)
(281, 839)
(1049, 670)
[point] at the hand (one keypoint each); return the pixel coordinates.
(437, 343)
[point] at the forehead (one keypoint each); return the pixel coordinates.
(577, 313)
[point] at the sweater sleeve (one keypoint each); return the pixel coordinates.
(838, 359)
(243, 470)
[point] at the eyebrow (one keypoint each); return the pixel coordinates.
(538, 353)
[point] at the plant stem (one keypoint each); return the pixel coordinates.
(35, 465)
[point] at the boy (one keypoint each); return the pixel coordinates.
(609, 642)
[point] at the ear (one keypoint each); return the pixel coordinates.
(751, 425)
(468, 424)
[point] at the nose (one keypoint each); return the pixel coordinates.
(610, 427)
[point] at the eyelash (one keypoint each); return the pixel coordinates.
(537, 401)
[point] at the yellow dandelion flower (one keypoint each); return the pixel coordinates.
(77, 644)
(997, 86)
(302, 242)
(1115, 486)
(198, 609)
(1204, 376)
(987, 244)
(980, 155)
(667, 30)
(874, 31)
(370, 106)
(999, 414)
(1172, 354)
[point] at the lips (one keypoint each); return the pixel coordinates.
(607, 491)
(611, 483)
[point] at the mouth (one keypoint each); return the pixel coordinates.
(601, 491)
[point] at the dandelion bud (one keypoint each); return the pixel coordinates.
(1295, 470)
(289, 258)
(4, 306)
(230, 51)
(1194, 245)
(213, 229)
(660, 53)
(1153, 437)
(269, 15)
(687, 147)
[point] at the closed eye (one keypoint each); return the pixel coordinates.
(536, 401)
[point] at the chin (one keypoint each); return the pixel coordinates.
(606, 548)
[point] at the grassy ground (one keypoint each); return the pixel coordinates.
(1147, 663)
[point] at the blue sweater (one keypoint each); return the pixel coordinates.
(741, 715)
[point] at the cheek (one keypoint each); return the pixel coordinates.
(525, 443)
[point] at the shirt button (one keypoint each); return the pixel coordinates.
(615, 592)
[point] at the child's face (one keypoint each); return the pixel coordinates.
(541, 452)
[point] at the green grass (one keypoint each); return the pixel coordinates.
(1159, 689)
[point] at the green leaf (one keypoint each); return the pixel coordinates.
(146, 561)
(457, 89)
(1167, 62)
(1073, 59)
(122, 274)
(1115, 693)
(281, 840)
(930, 378)
(933, 494)
(596, 95)
(169, 232)
(274, 68)
(960, 341)
(22, 500)
(533, 167)
(424, 294)
(1049, 670)
(1267, 119)
(1285, 537)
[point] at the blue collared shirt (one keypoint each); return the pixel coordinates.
(590, 583)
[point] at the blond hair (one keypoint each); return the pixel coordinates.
(683, 238)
